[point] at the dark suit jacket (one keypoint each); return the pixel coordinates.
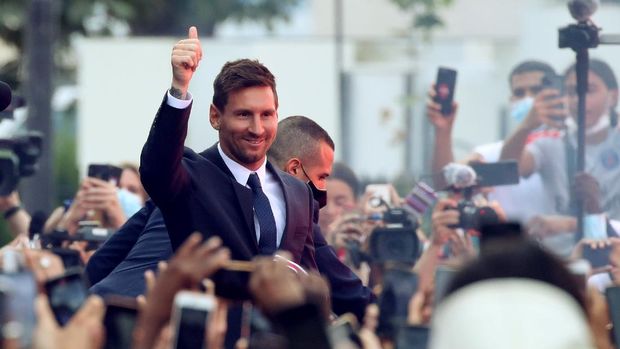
(197, 192)
(117, 268)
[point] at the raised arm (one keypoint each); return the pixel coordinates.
(548, 109)
(162, 174)
(442, 149)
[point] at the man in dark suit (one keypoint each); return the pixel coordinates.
(304, 150)
(230, 189)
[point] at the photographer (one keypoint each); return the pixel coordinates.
(552, 157)
(526, 81)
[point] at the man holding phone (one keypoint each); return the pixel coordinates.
(526, 81)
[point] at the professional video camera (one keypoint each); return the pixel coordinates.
(19, 154)
(465, 179)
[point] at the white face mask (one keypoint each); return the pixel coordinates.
(130, 202)
(519, 109)
(604, 122)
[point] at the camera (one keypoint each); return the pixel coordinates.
(396, 241)
(474, 217)
(18, 158)
(579, 36)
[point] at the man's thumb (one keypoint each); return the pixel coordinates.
(193, 33)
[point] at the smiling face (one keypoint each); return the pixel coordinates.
(247, 126)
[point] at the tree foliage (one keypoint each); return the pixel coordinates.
(425, 16)
(143, 17)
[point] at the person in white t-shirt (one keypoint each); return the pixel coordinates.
(520, 201)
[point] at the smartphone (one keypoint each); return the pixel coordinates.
(120, 320)
(18, 291)
(598, 257)
(105, 172)
(554, 81)
(613, 300)
(66, 294)
(379, 194)
(444, 89)
(491, 174)
(189, 318)
(398, 288)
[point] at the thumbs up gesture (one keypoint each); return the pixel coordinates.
(186, 55)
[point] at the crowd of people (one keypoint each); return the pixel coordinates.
(262, 241)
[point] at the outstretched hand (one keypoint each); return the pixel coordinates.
(186, 56)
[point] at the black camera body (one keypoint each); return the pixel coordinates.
(397, 241)
(18, 158)
(474, 217)
(583, 35)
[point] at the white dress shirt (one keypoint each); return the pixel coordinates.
(271, 188)
(270, 184)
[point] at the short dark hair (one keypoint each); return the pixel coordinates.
(602, 70)
(517, 258)
(531, 66)
(240, 74)
(344, 173)
(298, 136)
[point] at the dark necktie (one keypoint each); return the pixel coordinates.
(267, 240)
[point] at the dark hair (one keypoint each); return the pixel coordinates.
(298, 136)
(345, 173)
(531, 66)
(517, 258)
(240, 74)
(604, 71)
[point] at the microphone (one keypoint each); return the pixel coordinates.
(582, 10)
(5, 95)
(459, 176)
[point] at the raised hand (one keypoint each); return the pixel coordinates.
(549, 108)
(186, 56)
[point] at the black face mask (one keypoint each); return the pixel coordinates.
(318, 194)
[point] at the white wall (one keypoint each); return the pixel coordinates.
(122, 82)
(483, 39)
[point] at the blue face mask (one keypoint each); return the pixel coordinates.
(130, 202)
(519, 109)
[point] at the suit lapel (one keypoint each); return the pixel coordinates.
(288, 199)
(243, 194)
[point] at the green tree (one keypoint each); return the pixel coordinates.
(425, 16)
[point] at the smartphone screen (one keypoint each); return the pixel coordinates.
(191, 328)
(598, 258)
(444, 89)
(105, 172)
(18, 292)
(190, 315)
(119, 323)
(66, 295)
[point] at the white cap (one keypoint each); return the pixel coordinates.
(507, 314)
